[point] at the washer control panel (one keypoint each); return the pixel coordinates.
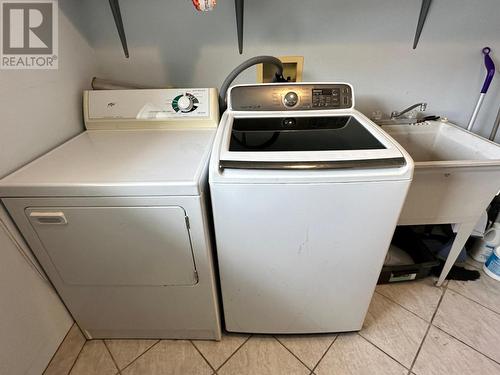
(279, 97)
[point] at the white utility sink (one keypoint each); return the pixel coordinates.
(436, 143)
(457, 174)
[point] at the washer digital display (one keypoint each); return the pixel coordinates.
(329, 97)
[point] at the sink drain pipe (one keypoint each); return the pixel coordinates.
(490, 68)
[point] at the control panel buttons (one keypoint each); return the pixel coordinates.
(290, 99)
(327, 98)
(185, 103)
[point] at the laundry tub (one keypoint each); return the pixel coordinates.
(457, 174)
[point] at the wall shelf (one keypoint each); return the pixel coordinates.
(239, 6)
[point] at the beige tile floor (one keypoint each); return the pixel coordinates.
(411, 328)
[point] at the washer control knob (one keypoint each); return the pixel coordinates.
(185, 103)
(291, 99)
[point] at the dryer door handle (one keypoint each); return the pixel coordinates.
(51, 217)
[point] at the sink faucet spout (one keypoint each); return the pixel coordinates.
(421, 106)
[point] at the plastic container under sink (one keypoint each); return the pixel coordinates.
(483, 247)
(492, 265)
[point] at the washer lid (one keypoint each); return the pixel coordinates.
(118, 163)
(299, 141)
(321, 133)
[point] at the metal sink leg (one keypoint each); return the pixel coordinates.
(463, 233)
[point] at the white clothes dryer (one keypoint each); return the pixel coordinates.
(117, 216)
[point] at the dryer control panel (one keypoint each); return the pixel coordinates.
(151, 108)
(294, 97)
(148, 104)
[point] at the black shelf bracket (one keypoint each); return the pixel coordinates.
(115, 8)
(239, 6)
(426, 4)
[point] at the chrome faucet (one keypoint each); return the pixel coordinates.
(396, 114)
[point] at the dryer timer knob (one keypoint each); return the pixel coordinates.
(185, 103)
(291, 99)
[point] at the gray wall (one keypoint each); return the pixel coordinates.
(39, 110)
(42, 108)
(367, 43)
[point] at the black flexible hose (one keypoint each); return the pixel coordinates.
(240, 68)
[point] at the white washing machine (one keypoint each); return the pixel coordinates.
(306, 193)
(117, 216)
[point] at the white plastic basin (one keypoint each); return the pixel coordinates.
(457, 173)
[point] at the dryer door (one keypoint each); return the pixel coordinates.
(116, 245)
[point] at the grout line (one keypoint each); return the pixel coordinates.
(112, 358)
(292, 353)
(456, 338)
(78, 355)
(60, 345)
(200, 353)
(470, 299)
(383, 351)
(324, 354)
(445, 288)
(144, 352)
(405, 308)
(231, 356)
(468, 345)
(447, 333)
